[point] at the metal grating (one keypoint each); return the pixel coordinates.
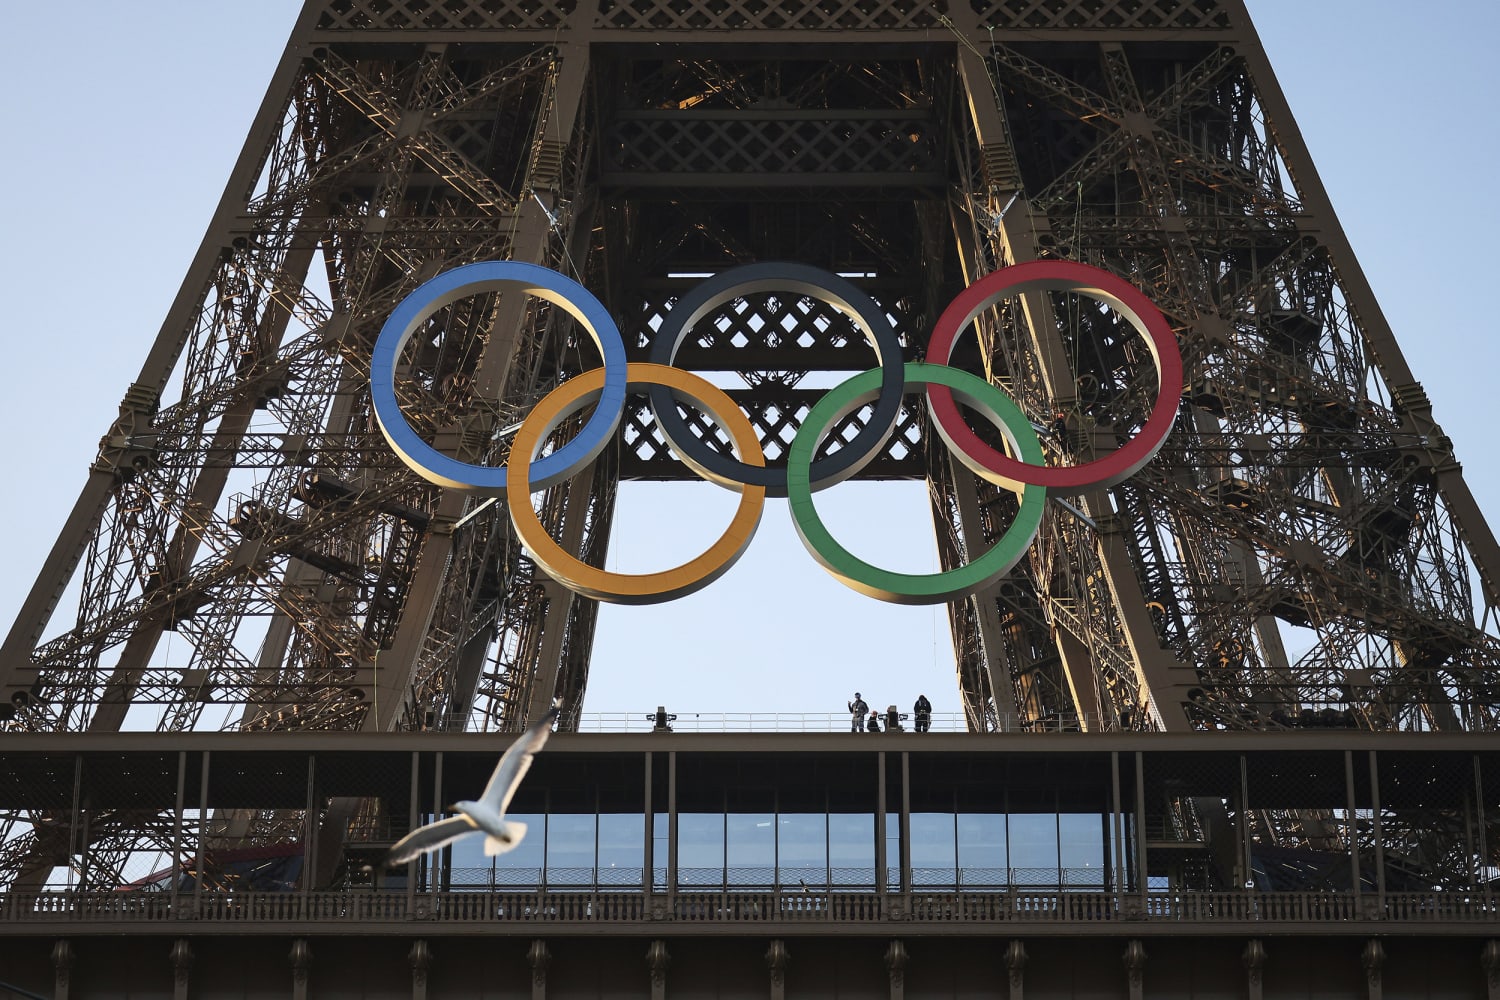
(731, 15)
(397, 15)
(1091, 14)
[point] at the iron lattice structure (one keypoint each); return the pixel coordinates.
(1303, 553)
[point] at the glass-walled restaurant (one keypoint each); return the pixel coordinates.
(1129, 814)
(854, 821)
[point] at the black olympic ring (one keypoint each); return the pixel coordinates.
(802, 280)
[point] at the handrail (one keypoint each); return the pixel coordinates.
(719, 906)
(645, 721)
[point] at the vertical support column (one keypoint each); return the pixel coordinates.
(648, 856)
(881, 881)
(1379, 832)
(202, 835)
(420, 958)
(1255, 964)
(76, 838)
(540, 958)
(62, 968)
(182, 967)
(178, 806)
(671, 831)
(1135, 968)
(657, 961)
(438, 880)
(546, 822)
(310, 828)
(1484, 848)
(1142, 883)
(1489, 960)
(905, 827)
(1248, 869)
(1015, 969)
(1372, 957)
(1352, 828)
(777, 959)
(1117, 825)
(301, 960)
(413, 820)
(895, 967)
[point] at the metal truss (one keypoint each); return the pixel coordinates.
(248, 555)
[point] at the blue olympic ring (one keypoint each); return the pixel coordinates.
(472, 279)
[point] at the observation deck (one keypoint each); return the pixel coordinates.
(830, 844)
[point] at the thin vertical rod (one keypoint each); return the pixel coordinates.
(177, 827)
(445, 856)
(202, 835)
(648, 857)
(74, 816)
(1142, 882)
(1245, 834)
(905, 824)
(414, 810)
(671, 830)
(1352, 826)
(880, 859)
(1118, 820)
(1379, 832)
(310, 825)
(1484, 851)
(776, 841)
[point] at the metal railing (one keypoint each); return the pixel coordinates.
(797, 906)
(800, 722)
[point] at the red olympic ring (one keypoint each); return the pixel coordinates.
(1059, 276)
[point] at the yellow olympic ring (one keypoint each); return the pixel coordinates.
(627, 588)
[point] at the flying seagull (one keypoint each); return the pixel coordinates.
(487, 814)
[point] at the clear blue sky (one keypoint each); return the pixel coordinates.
(123, 121)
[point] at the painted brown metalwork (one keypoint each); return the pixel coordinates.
(1301, 557)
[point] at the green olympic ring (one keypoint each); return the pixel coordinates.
(915, 588)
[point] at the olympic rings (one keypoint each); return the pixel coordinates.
(1025, 474)
(645, 588)
(798, 279)
(1058, 276)
(908, 588)
(489, 276)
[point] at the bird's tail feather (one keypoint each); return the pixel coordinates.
(494, 845)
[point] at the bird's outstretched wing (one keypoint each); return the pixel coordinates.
(517, 761)
(428, 838)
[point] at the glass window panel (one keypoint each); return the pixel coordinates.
(659, 848)
(522, 864)
(933, 858)
(468, 868)
(1033, 848)
(1080, 842)
(622, 848)
(570, 848)
(802, 848)
(851, 848)
(751, 846)
(982, 857)
(700, 848)
(893, 851)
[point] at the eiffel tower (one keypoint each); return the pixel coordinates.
(1303, 555)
